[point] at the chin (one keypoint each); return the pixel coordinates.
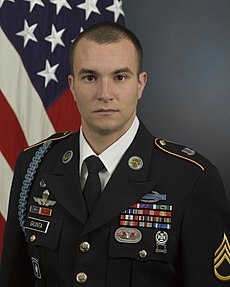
(105, 130)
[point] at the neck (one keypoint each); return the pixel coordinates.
(101, 141)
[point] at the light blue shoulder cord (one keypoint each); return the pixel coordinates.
(29, 177)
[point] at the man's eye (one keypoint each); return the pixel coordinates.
(90, 78)
(120, 78)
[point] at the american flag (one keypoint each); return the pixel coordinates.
(35, 102)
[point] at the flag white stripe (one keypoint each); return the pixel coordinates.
(6, 176)
(21, 95)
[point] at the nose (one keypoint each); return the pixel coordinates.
(105, 91)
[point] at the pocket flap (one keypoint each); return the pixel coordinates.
(44, 233)
(152, 244)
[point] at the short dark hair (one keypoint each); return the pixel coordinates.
(107, 33)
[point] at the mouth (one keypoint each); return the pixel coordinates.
(105, 112)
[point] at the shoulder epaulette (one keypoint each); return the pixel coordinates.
(182, 152)
(54, 137)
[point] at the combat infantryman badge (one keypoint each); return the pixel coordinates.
(222, 260)
(154, 196)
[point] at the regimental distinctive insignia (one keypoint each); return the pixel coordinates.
(135, 162)
(188, 151)
(147, 215)
(153, 197)
(161, 238)
(36, 267)
(37, 224)
(222, 260)
(67, 156)
(44, 200)
(40, 210)
(128, 235)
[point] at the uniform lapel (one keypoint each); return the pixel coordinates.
(126, 186)
(64, 182)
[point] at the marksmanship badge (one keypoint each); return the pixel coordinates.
(161, 238)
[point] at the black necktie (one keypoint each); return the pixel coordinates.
(92, 188)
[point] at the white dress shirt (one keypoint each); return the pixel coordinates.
(110, 157)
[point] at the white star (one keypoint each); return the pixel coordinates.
(81, 30)
(49, 73)
(28, 33)
(34, 2)
(59, 4)
(55, 38)
(89, 6)
(2, 2)
(116, 8)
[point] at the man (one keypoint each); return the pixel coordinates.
(161, 218)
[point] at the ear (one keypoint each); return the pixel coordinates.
(71, 84)
(142, 80)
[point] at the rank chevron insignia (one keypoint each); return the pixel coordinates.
(222, 260)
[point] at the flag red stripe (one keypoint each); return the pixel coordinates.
(64, 114)
(12, 139)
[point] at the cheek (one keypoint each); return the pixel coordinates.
(82, 100)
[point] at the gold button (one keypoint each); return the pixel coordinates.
(81, 277)
(84, 246)
(143, 253)
(33, 238)
(162, 142)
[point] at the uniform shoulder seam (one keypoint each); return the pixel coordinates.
(166, 146)
(54, 137)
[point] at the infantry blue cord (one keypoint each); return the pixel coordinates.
(29, 177)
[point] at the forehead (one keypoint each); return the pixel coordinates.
(88, 52)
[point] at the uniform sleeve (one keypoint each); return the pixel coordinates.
(16, 267)
(206, 234)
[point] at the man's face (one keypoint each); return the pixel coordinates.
(106, 86)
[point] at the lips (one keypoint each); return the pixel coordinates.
(105, 111)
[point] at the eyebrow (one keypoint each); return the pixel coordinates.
(123, 70)
(87, 71)
(118, 71)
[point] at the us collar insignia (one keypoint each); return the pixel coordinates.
(153, 197)
(222, 260)
(67, 156)
(128, 235)
(44, 200)
(135, 162)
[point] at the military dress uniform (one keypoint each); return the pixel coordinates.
(162, 220)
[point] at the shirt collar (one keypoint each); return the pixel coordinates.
(112, 155)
